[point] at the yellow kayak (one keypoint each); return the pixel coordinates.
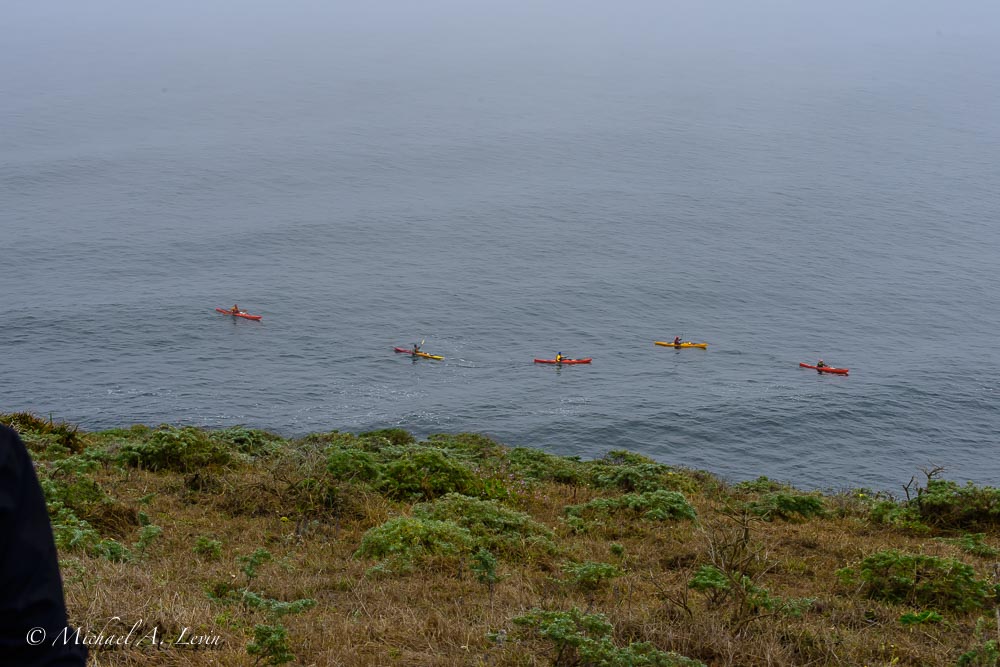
(687, 343)
(417, 354)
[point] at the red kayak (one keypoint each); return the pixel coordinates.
(564, 361)
(248, 316)
(825, 369)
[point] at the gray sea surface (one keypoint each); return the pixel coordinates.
(785, 180)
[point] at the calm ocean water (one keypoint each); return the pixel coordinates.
(507, 181)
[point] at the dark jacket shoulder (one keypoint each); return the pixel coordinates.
(31, 593)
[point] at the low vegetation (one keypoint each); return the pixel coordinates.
(381, 549)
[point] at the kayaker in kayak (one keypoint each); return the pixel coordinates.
(235, 309)
(820, 364)
(416, 348)
(559, 357)
(677, 340)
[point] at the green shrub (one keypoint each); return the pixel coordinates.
(59, 433)
(44, 447)
(75, 491)
(208, 548)
(249, 441)
(590, 575)
(227, 592)
(784, 505)
(899, 515)
(623, 457)
(405, 541)
(314, 495)
(749, 598)
(484, 566)
(276, 608)
(353, 465)
(468, 445)
(498, 528)
(975, 544)
(179, 449)
(920, 618)
(540, 466)
(391, 436)
(945, 504)
(70, 531)
(147, 535)
(652, 506)
(585, 639)
(986, 654)
(312, 441)
(708, 579)
(116, 552)
(134, 433)
(251, 563)
(640, 477)
(760, 485)
(942, 504)
(426, 472)
(270, 645)
(631, 472)
(919, 580)
(112, 550)
(78, 507)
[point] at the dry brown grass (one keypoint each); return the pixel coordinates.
(441, 615)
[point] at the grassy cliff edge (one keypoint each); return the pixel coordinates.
(237, 546)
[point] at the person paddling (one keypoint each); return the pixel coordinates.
(559, 357)
(416, 348)
(235, 310)
(677, 340)
(820, 364)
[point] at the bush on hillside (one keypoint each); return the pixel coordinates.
(179, 449)
(761, 485)
(389, 436)
(945, 504)
(920, 581)
(942, 505)
(540, 466)
(353, 465)
(578, 638)
(903, 516)
(74, 497)
(652, 506)
(470, 445)
(635, 473)
(26, 423)
(975, 544)
(590, 575)
(785, 505)
(250, 441)
(404, 542)
(425, 472)
(498, 528)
